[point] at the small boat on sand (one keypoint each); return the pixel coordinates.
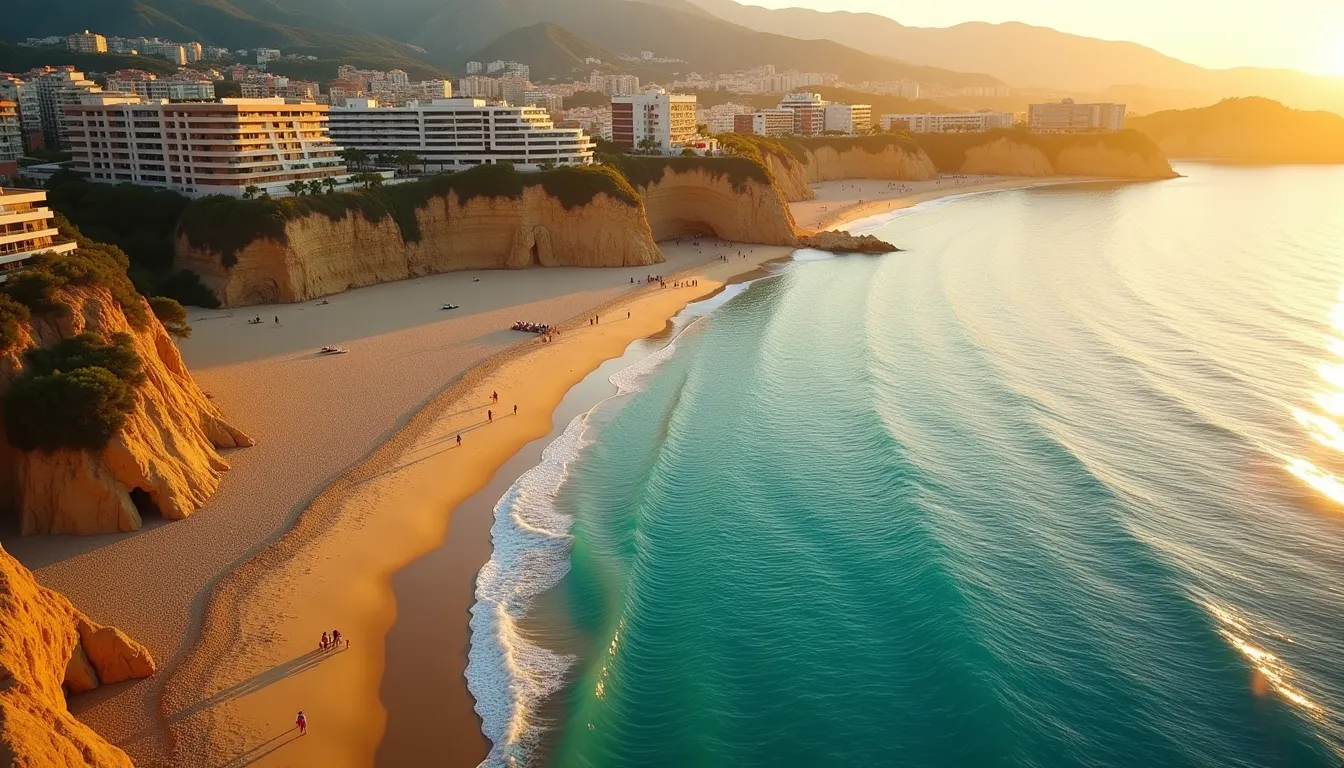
(451, 306)
(333, 351)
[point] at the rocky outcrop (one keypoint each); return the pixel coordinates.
(696, 201)
(1124, 155)
(831, 163)
(838, 241)
(47, 644)
(320, 256)
(164, 456)
(790, 176)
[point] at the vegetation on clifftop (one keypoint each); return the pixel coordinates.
(226, 225)
(948, 150)
(643, 171)
(757, 147)
(873, 144)
(73, 395)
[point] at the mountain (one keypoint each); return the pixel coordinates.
(451, 30)
(1026, 56)
(1247, 130)
(550, 50)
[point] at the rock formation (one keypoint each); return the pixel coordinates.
(45, 643)
(321, 256)
(839, 241)
(790, 176)
(831, 161)
(696, 201)
(1123, 155)
(165, 453)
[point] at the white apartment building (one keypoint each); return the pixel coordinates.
(852, 119)
(150, 86)
(551, 102)
(199, 149)
(957, 122)
(26, 229)
(455, 134)
(267, 54)
(667, 119)
(1066, 117)
(87, 42)
(11, 138)
(474, 67)
(57, 87)
(170, 51)
(478, 87)
(24, 94)
(765, 122)
(615, 85)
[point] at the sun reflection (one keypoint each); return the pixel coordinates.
(1321, 424)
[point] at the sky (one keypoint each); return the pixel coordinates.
(1295, 34)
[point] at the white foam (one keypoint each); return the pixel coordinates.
(506, 673)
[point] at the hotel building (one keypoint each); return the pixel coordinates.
(88, 42)
(150, 86)
(57, 87)
(957, 122)
(849, 118)
(454, 134)
(809, 112)
(11, 139)
(765, 122)
(26, 229)
(668, 119)
(201, 149)
(1068, 117)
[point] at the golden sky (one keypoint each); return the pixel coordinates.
(1294, 34)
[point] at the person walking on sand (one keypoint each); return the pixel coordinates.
(335, 638)
(459, 441)
(515, 409)
(302, 723)
(494, 397)
(323, 645)
(277, 319)
(490, 416)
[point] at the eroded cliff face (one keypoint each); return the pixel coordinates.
(829, 164)
(698, 202)
(790, 176)
(1009, 158)
(322, 256)
(165, 454)
(47, 643)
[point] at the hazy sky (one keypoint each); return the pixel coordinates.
(1297, 34)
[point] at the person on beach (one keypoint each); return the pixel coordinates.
(323, 645)
(627, 314)
(515, 410)
(490, 416)
(302, 723)
(335, 638)
(277, 319)
(494, 396)
(459, 441)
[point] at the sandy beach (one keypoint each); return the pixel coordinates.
(355, 474)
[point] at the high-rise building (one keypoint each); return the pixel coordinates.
(194, 52)
(478, 87)
(171, 51)
(56, 87)
(24, 94)
(654, 119)
(181, 87)
(267, 54)
(765, 122)
(1067, 117)
(27, 229)
(86, 42)
(809, 112)
(852, 119)
(398, 77)
(474, 67)
(453, 134)
(11, 139)
(514, 90)
(197, 149)
(955, 122)
(551, 102)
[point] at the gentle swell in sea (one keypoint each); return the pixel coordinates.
(507, 674)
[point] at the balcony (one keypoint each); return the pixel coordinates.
(10, 258)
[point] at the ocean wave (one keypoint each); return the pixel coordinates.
(508, 674)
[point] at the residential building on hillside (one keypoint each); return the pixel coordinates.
(194, 52)
(849, 118)
(478, 87)
(27, 228)
(454, 134)
(56, 87)
(957, 122)
(198, 149)
(24, 94)
(11, 139)
(765, 122)
(86, 42)
(474, 67)
(215, 52)
(551, 102)
(809, 112)
(720, 117)
(171, 51)
(186, 86)
(267, 54)
(614, 85)
(1067, 116)
(655, 118)
(513, 90)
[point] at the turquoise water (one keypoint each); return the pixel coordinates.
(1057, 486)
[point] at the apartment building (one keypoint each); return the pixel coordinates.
(86, 42)
(152, 87)
(24, 94)
(958, 122)
(267, 54)
(11, 139)
(852, 119)
(614, 85)
(1067, 117)
(765, 122)
(57, 87)
(201, 149)
(809, 112)
(26, 229)
(666, 121)
(454, 134)
(173, 52)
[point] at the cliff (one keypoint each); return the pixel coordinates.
(1250, 130)
(866, 157)
(48, 647)
(1121, 155)
(309, 253)
(163, 456)
(732, 198)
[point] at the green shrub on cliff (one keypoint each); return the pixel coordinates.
(757, 147)
(873, 144)
(643, 171)
(948, 150)
(14, 317)
(74, 394)
(226, 225)
(172, 314)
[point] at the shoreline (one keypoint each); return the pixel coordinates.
(298, 539)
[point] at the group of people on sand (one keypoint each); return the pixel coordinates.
(257, 320)
(489, 417)
(523, 325)
(332, 640)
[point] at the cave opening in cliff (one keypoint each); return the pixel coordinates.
(144, 503)
(534, 256)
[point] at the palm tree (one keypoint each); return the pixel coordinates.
(648, 145)
(330, 184)
(296, 187)
(357, 158)
(546, 165)
(385, 159)
(250, 191)
(406, 159)
(315, 187)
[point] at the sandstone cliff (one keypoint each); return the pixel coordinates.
(692, 199)
(1123, 155)
(832, 160)
(317, 255)
(164, 455)
(790, 175)
(47, 643)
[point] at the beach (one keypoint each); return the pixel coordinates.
(355, 474)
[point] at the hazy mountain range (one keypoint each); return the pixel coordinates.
(711, 35)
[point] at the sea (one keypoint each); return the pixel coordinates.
(1059, 484)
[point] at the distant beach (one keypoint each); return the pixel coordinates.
(355, 474)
